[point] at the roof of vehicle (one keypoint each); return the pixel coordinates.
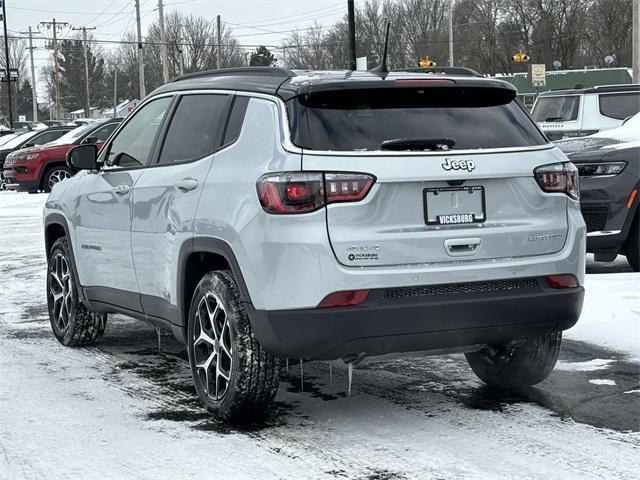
(288, 83)
(631, 87)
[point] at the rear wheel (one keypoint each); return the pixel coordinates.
(632, 244)
(72, 323)
(517, 365)
(233, 376)
(55, 175)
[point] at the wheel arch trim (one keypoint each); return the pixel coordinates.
(215, 246)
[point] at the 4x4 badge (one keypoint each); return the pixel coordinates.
(467, 165)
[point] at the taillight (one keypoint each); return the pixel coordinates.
(345, 298)
(559, 178)
(346, 187)
(301, 192)
(562, 281)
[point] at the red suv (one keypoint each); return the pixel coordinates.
(40, 168)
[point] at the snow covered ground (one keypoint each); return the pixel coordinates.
(124, 410)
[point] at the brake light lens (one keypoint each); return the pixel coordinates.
(345, 298)
(562, 281)
(559, 178)
(347, 187)
(302, 192)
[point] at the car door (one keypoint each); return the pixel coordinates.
(166, 196)
(103, 223)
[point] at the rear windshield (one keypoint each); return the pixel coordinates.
(556, 109)
(411, 118)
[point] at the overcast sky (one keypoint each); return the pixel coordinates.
(112, 18)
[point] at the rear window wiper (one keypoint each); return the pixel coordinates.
(418, 144)
(553, 119)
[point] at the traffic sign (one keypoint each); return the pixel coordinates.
(537, 75)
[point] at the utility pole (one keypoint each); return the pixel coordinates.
(451, 33)
(7, 72)
(115, 92)
(352, 34)
(181, 54)
(219, 33)
(163, 44)
(34, 94)
(636, 42)
(140, 52)
(56, 66)
(87, 103)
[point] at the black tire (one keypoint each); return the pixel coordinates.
(54, 175)
(632, 244)
(72, 323)
(517, 366)
(253, 374)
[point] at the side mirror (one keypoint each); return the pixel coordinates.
(89, 140)
(28, 145)
(82, 157)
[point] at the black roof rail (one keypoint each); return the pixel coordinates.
(240, 71)
(462, 71)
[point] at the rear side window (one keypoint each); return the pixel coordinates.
(194, 128)
(556, 109)
(234, 125)
(619, 105)
(412, 118)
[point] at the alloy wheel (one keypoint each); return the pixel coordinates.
(57, 176)
(212, 346)
(60, 288)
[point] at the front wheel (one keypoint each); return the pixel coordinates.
(233, 376)
(54, 176)
(72, 323)
(518, 364)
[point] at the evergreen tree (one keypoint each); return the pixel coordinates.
(262, 57)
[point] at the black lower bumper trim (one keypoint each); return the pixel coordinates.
(424, 322)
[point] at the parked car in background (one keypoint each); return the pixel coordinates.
(8, 137)
(31, 138)
(55, 123)
(39, 168)
(27, 125)
(609, 167)
(581, 112)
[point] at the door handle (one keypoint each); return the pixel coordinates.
(461, 247)
(122, 189)
(186, 184)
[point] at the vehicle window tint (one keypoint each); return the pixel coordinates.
(134, 143)
(556, 109)
(619, 105)
(194, 128)
(47, 137)
(422, 118)
(103, 133)
(234, 125)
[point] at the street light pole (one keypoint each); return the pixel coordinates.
(163, 44)
(451, 33)
(140, 52)
(8, 74)
(87, 102)
(636, 42)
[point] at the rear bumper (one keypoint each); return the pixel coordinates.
(419, 320)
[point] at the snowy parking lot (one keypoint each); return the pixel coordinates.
(124, 409)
